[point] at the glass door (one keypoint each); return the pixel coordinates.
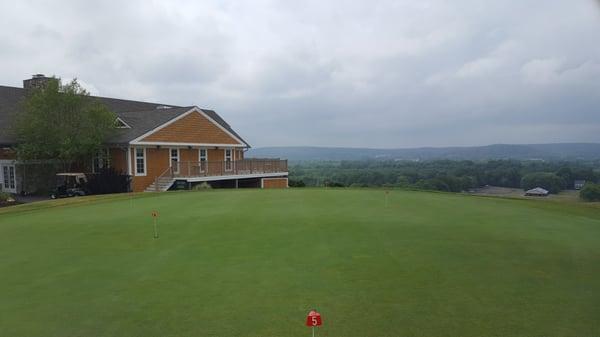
(9, 181)
(228, 159)
(203, 155)
(175, 160)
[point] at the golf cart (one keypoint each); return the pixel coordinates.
(69, 185)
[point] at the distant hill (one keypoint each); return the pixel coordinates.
(585, 151)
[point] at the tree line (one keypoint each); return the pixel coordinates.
(446, 175)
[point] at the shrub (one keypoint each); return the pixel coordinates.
(108, 180)
(296, 183)
(434, 184)
(359, 185)
(548, 181)
(39, 177)
(402, 181)
(590, 192)
(4, 196)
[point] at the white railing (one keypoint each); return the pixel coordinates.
(226, 168)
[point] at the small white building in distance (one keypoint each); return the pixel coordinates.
(537, 192)
(578, 184)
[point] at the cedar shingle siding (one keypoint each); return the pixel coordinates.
(193, 128)
(157, 161)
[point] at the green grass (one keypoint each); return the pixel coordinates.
(253, 262)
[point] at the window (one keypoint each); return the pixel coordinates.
(228, 158)
(11, 177)
(174, 160)
(140, 161)
(203, 155)
(101, 160)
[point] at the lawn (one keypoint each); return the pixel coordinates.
(253, 262)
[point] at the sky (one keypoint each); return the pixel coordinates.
(379, 74)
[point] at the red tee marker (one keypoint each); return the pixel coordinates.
(313, 319)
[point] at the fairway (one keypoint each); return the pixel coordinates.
(254, 262)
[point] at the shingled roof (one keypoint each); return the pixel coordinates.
(143, 121)
(140, 116)
(10, 99)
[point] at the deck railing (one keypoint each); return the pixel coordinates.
(188, 169)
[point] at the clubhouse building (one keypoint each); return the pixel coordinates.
(161, 146)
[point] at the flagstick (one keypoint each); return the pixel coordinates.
(155, 229)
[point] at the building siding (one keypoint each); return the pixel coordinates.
(189, 155)
(7, 154)
(157, 161)
(188, 160)
(216, 155)
(275, 183)
(193, 128)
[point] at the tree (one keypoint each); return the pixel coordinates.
(567, 174)
(548, 181)
(586, 174)
(62, 122)
(296, 183)
(590, 192)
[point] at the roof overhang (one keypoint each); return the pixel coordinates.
(187, 144)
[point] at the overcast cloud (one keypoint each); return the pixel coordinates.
(332, 73)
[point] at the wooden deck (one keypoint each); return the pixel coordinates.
(226, 168)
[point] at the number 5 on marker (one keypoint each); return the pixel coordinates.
(313, 318)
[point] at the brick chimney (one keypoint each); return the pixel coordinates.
(37, 81)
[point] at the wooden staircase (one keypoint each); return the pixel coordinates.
(164, 183)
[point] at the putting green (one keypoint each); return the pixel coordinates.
(254, 262)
